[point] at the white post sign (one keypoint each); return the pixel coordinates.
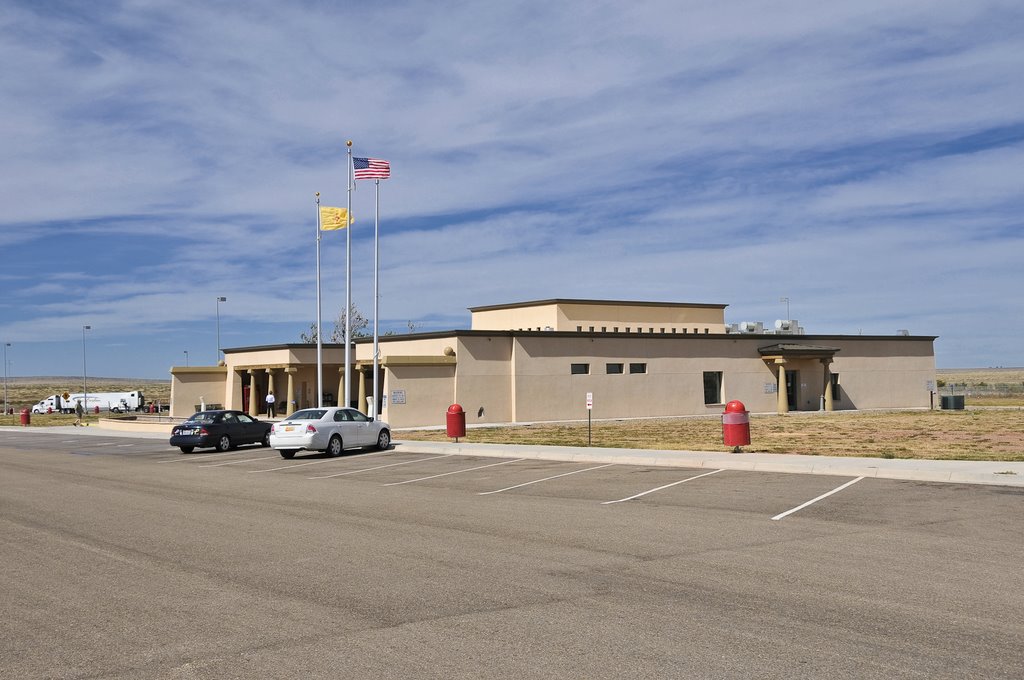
(590, 401)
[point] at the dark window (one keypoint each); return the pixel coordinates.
(712, 387)
(638, 368)
(579, 329)
(835, 387)
(579, 369)
(613, 368)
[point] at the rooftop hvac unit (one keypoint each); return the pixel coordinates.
(903, 331)
(751, 327)
(788, 327)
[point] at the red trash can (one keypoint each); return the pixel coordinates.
(455, 421)
(26, 417)
(736, 425)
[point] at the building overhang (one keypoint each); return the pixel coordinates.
(793, 350)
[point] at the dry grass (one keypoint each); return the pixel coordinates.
(939, 435)
(24, 392)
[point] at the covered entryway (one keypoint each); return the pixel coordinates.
(790, 361)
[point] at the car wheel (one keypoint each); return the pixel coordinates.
(287, 454)
(187, 449)
(334, 446)
(266, 439)
(224, 443)
(383, 440)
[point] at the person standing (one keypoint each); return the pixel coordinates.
(271, 399)
(79, 412)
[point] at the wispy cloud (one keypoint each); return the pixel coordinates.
(858, 157)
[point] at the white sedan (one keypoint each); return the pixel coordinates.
(330, 429)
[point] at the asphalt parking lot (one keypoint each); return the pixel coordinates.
(126, 558)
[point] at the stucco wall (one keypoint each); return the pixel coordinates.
(190, 386)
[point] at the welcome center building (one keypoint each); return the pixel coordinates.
(537, 361)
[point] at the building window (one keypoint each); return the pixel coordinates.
(696, 330)
(604, 329)
(662, 330)
(591, 329)
(616, 329)
(712, 387)
(638, 368)
(650, 330)
(613, 369)
(706, 331)
(627, 329)
(579, 369)
(685, 331)
(835, 387)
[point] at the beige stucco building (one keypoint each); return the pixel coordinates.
(538, 361)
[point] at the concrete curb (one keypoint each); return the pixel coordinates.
(951, 471)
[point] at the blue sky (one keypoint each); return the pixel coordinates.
(864, 159)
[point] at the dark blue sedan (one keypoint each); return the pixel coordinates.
(222, 430)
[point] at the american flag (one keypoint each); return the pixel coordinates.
(371, 168)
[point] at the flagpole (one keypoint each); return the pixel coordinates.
(319, 335)
(348, 286)
(376, 295)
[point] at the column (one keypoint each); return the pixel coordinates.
(783, 403)
(253, 395)
(826, 363)
(290, 407)
(361, 404)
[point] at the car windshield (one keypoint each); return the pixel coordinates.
(203, 418)
(308, 414)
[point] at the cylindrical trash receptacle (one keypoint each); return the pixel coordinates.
(736, 425)
(455, 421)
(96, 410)
(26, 417)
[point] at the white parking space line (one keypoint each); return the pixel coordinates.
(538, 481)
(380, 467)
(125, 445)
(314, 462)
(666, 486)
(236, 462)
(199, 456)
(815, 500)
(456, 472)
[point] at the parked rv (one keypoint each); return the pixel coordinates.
(115, 402)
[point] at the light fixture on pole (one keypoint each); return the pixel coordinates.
(6, 345)
(220, 299)
(85, 373)
(186, 358)
(786, 300)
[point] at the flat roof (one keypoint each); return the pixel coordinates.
(586, 334)
(573, 301)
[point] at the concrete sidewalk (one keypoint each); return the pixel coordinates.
(956, 471)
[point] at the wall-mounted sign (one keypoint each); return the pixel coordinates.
(397, 397)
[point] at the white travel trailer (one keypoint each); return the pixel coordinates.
(116, 402)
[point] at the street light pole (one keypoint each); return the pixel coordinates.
(220, 299)
(186, 358)
(6, 345)
(85, 373)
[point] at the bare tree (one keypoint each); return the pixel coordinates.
(337, 336)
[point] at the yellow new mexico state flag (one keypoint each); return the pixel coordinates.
(334, 218)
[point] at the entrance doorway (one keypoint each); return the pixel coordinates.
(792, 383)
